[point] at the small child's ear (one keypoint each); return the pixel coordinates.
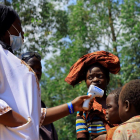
(127, 106)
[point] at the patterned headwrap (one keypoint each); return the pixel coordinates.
(106, 59)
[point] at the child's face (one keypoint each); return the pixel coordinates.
(112, 111)
(96, 76)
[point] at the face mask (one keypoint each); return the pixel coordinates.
(15, 41)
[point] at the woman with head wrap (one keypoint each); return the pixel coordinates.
(20, 102)
(94, 68)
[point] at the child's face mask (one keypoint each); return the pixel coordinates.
(15, 41)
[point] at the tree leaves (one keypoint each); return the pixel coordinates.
(66, 35)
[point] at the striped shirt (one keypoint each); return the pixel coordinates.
(92, 122)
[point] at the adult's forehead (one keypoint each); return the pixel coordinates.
(97, 65)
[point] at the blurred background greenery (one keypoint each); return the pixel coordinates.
(62, 31)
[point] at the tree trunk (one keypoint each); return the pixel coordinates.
(4, 2)
(113, 33)
(111, 26)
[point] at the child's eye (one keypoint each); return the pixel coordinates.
(89, 77)
(108, 106)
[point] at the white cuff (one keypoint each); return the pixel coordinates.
(4, 107)
(43, 114)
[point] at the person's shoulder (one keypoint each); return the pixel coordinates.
(110, 133)
(121, 127)
(119, 133)
(5, 46)
(120, 130)
(126, 130)
(112, 129)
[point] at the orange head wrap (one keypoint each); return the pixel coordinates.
(106, 59)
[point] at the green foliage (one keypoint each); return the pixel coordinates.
(130, 40)
(87, 26)
(92, 26)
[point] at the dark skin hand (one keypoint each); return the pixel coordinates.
(12, 119)
(61, 111)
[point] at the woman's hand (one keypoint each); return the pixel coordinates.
(78, 102)
(61, 111)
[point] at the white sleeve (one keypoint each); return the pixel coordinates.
(4, 107)
(43, 114)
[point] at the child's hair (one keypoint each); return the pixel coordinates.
(131, 92)
(26, 56)
(116, 93)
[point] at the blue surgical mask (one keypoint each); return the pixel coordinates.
(15, 41)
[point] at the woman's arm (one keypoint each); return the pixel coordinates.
(58, 112)
(12, 119)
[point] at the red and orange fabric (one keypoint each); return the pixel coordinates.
(110, 133)
(106, 59)
(99, 111)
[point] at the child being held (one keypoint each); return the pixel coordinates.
(112, 111)
(94, 68)
(129, 112)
